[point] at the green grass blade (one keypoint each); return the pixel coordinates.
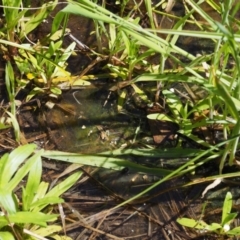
(6, 236)
(74, 8)
(227, 207)
(179, 171)
(166, 153)
(7, 201)
(45, 201)
(37, 18)
(191, 223)
(12, 163)
(33, 181)
(203, 13)
(224, 94)
(23, 171)
(64, 185)
(102, 161)
(41, 191)
(235, 231)
(15, 124)
(37, 218)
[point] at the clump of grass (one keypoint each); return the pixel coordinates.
(221, 229)
(28, 214)
(211, 72)
(129, 47)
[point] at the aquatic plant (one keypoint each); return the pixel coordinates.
(221, 229)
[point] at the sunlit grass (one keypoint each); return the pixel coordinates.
(208, 71)
(221, 85)
(216, 72)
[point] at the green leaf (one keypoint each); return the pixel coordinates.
(56, 24)
(51, 50)
(3, 162)
(23, 171)
(64, 185)
(160, 116)
(37, 18)
(200, 106)
(235, 231)
(59, 70)
(38, 218)
(41, 203)
(188, 222)
(33, 93)
(140, 92)
(73, 8)
(58, 34)
(56, 90)
(102, 161)
(203, 14)
(227, 207)
(33, 181)
(3, 221)
(166, 153)
(15, 159)
(47, 231)
(7, 201)
(228, 100)
(15, 126)
(4, 126)
(230, 217)
(41, 192)
(174, 103)
(58, 237)
(12, 15)
(57, 45)
(6, 236)
(214, 227)
(53, 195)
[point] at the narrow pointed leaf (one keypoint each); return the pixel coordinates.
(6, 236)
(15, 159)
(32, 217)
(23, 171)
(34, 178)
(227, 207)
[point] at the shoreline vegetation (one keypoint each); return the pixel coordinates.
(169, 70)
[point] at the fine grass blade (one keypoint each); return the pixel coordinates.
(37, 18)
(23, 171)
(33, 181)
(12, 163)
(53, 196)
(30, 217)
(103, 161)
(6, 236)
(227, 216)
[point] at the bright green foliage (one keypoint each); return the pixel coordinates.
(37, 18)
(224, 228)
(35, 196)
(6, 236)
(20, 21)
(130, 45)
(36, 62)
(11, 88)
(45, 67)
